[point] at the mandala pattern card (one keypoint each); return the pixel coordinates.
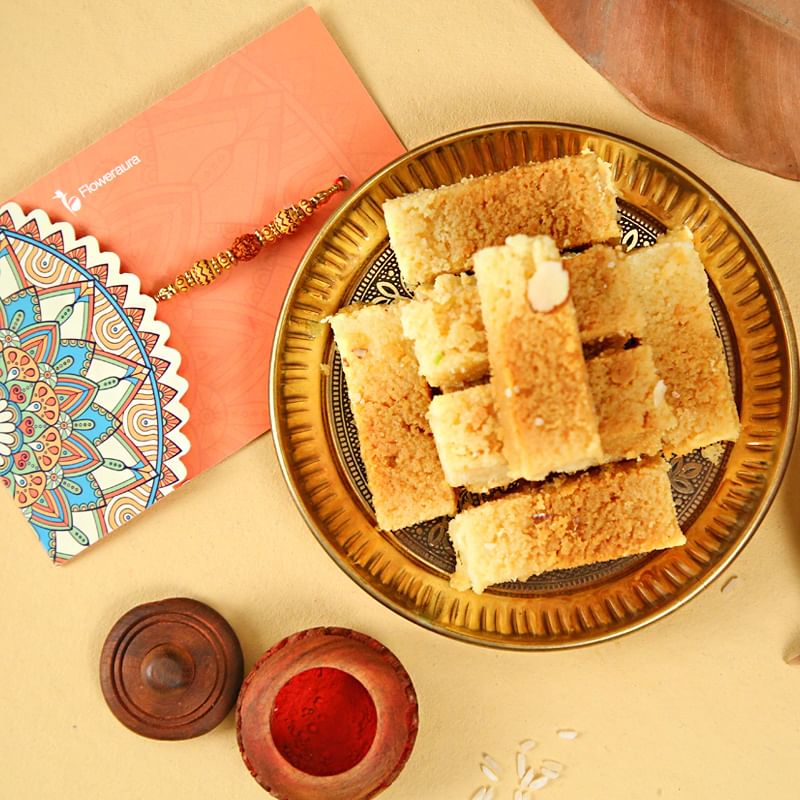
(90, 396)
(95, 421)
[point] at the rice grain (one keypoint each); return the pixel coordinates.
(489, 773)
(492, 764)
(550, 773)
(522, 764)
(526, 779)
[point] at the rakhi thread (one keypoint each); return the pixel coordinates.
(247, 246)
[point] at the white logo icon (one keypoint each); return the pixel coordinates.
(72, 204)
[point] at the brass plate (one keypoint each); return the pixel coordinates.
(720, 506)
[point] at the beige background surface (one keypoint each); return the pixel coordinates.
(700, 705)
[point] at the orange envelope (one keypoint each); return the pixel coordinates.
(273, 123)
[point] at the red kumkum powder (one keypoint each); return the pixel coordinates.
(323, 721)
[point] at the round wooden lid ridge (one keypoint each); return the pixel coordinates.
(171, 669)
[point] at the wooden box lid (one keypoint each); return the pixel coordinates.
(171, 669)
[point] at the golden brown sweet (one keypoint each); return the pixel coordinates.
(629, 400)
(605, 295)
(444, 322)
(469, 440)
(444, 319)
(629, 397)
(607, 513)
(390, 403)
(688, 354)
(434, 231)
(538, 374)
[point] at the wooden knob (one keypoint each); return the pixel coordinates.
(171, 669)
(167, 667)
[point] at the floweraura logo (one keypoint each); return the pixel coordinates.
(73, 203)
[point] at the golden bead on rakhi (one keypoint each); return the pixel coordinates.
(247, 246)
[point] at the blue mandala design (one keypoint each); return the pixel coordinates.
(88, 430)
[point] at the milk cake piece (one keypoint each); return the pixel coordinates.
(538, 374)
(605, 295)
(614, 511)
(629, 400)
(631, 405)
(390, 403)
(444, 322)
(688, 354)
(469, 440)
(433, 231)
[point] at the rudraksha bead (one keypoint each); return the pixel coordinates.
(245, 247)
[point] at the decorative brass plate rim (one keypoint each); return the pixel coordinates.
(767, 358)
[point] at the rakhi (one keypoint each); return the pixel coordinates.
(247, 246)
